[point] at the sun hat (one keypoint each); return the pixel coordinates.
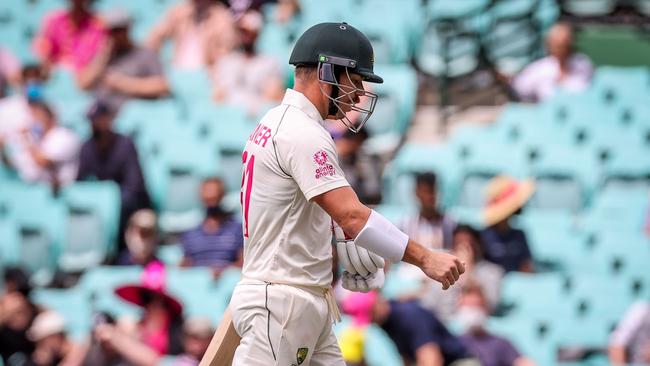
(504, 196)
(153, 283)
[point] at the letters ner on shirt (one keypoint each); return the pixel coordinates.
(289, 158)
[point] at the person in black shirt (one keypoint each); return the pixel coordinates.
(110, 156)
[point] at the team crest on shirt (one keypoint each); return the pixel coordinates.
(324, 168)
(301, 354)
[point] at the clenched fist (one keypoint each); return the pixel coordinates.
(442, 267)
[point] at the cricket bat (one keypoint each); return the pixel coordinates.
(222, 347)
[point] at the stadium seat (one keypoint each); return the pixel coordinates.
(94, 211)
(533, 294)
(533, 336)
(40, 236)
(170, 254)
(485, 160)
(100, 282)
(414, 158)
(566, 177)
(447, 51)
(621, 84)
(589, 8)
(190, 86)
(73, 304)
(555, 245)
(137, 116)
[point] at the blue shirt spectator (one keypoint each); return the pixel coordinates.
(491, 350)
(218, 241)
(413, 328)
(507, 248)
(219, 248)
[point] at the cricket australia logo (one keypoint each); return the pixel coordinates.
(301, 355)
(324, 169)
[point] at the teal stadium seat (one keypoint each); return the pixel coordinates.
(72, 304)
(399, 183)
(190, 86)
(589, 8)
(40, 236)
(394, 109)
(98, 284)
(533, 294)
(566, 177)
(556, 246)
(93, 220)
(139, 115)
(170, 254)
(622, 84)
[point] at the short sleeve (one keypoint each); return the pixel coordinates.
(313, 163)
(629, 325)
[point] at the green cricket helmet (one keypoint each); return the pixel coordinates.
(340, 49)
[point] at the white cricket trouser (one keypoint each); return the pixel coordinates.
(282, 325)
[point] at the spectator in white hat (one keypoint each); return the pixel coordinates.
(52, 343)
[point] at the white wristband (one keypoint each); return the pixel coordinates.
(382, 237)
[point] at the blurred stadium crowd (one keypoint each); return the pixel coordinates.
(121, 128)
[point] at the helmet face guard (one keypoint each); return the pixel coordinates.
(345, 94)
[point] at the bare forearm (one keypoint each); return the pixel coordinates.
(617, 355)
(415, 253)
(150, 87)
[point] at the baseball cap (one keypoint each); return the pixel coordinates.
(99, 108)
(46, 324)
(117, 18)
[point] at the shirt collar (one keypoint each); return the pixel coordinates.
(298, 100)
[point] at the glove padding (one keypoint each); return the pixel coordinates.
(353, 258)
(359, 283)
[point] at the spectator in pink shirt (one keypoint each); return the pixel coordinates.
(70, 37)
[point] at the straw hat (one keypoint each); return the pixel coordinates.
(504, 196)
(153, 283)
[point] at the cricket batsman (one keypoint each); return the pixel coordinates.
(292, 190)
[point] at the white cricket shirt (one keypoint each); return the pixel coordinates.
(289, 159)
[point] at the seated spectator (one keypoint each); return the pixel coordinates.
(244, 77)
(110, 156)
(357, 166)
(197, 334)
(561, 69)
(490, 349)
(47, 152)
(70, 38)
(15, 115)
(630, 341)
(157, 333)
(203, 31)
(218, 241)
(122, 70)
(9, 71)
(420, 337)
(430, 226)
(487, 275)
(16, 316)
(141, 237)
(53, 347)
(505, 245)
